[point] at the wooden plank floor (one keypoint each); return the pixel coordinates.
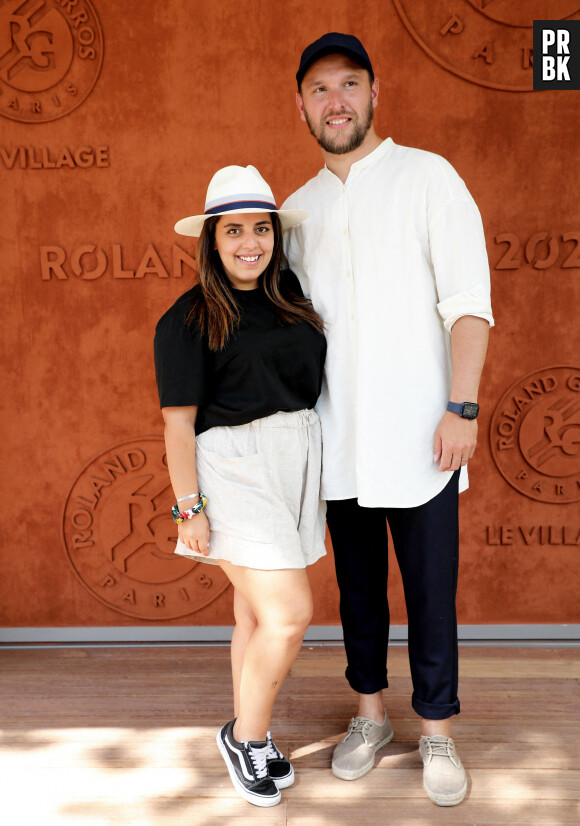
(127, 736)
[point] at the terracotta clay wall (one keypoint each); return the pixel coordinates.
(113, 117)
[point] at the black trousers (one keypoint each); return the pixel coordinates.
(426, 540)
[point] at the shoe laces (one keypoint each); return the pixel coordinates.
(358, 724)
(437, 747)
(272, 753)
(259, 760)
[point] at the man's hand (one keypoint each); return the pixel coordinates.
(455, 441)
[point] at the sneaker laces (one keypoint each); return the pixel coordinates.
(259, 760)
(273, 753)
(441, 748)
(358, 724)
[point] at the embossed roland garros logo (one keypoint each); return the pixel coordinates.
(535, 435)
(488, 42)
(119, 536)
(51, 53)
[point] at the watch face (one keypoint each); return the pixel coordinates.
(470, 410)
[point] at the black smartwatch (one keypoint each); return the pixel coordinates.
(467, 410)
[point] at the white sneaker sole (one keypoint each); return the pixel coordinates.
(284, 782)
(255, 799)
(354, 774)
(446, 800)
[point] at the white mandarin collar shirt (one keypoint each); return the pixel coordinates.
(390, 259)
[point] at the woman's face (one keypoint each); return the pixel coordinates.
(244, 243)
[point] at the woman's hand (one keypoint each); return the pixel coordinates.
(194, 533)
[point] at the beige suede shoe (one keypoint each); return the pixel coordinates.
(355, 755)
(444, 777)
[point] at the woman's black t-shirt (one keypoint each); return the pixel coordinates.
(265, 367)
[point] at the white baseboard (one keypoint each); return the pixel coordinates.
(513, 635)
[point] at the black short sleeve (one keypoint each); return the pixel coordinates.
(265, 366)
(181, 360)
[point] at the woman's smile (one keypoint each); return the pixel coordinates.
(244, 243)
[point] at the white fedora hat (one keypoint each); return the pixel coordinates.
(238, 189)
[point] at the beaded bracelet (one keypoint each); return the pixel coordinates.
(180, 516)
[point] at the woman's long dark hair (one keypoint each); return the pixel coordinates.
(215, 309)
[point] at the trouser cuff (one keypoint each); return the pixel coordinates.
(434, 711)
(364, 685)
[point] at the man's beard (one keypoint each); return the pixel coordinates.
(331, 144)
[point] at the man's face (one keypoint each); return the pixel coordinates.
(336, 100)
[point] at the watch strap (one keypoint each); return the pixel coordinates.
(467, 410)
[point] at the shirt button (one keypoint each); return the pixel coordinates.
(345, 232)
(352, 316)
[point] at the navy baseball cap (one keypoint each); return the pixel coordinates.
(332, 43)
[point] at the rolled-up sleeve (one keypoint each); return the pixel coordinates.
(458, 253)
(473, 301)
(460, 263)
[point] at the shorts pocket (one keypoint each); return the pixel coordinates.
(238, 500)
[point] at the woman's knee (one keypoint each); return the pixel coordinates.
(292, 623)
(279, 602)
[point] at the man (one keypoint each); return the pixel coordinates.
(393, 258)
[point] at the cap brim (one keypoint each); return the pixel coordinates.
(193, 225)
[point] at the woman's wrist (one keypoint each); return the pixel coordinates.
(189, 497)
(180, 514)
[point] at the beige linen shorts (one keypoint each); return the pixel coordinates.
(262, 481)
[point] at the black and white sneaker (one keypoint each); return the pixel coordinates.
(248, 767)
(279, 768)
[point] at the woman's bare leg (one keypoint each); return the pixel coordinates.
(245, 626)
(281, 602)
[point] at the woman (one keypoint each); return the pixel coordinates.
(239, 362)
